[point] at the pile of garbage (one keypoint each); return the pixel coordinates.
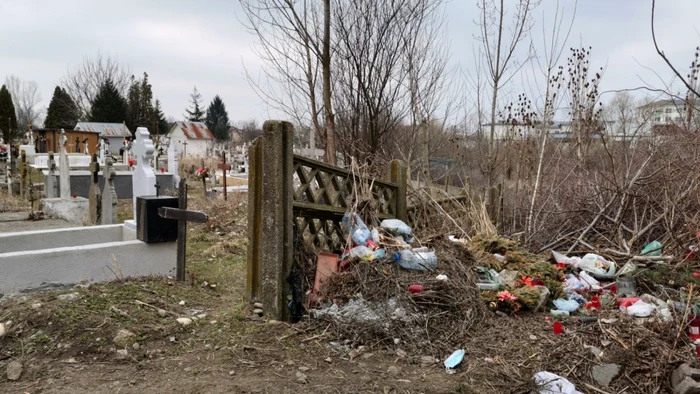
(511, 278)
(391, 289)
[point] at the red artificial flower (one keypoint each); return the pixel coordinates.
(527, 281)
(132, 162)
(505, 295)
(561, 266)
(696, 275)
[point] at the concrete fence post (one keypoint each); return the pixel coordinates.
(270, 252)
(399, 177)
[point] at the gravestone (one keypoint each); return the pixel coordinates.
(63, 168)
(51, 186)
(143, 179)
(173, 166)
(109, 194)
(86, 146)
(101, 146)
(223, 166)
(95, 198)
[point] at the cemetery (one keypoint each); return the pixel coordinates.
(249, 278)
(103, 251)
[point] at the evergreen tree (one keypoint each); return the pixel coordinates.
(217, 119)
(158, 122)
(62, 112)
(109, 106)
(8, 119)
(140, 104)
(133, 105)
(195, 113)
(147, 112)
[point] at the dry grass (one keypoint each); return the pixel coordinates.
(11, 203)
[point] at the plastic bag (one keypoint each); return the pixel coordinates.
(652, 249)
(359, 232)
(566, 305)
(590, 281)
(395, 227)
(640, 309)
(597, 265)
(549, 383)
(560, 258)
(573, 283)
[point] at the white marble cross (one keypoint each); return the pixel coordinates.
(64, 168)
(143, 179)
(101, 151)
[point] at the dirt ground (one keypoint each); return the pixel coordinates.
(73, 340)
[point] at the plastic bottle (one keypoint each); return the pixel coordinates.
(359, 232)
(420, 261)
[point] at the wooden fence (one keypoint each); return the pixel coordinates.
(288, 193)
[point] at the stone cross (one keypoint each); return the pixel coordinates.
(51, 185)
(77, 145)
(86, 146)
(23, 167)
(223, 166)
(125, 157)
(95, 198)
(173, 163)
(109, 194)
(101, 145)
(143, 178)
(63, 168)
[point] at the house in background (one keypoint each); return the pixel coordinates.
(113, 132)
(47, 140)
(191, 138)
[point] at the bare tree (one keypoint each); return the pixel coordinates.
(26, 98)
(294, 47)
(381, 75)
(585, 110)
(83, 81)
(500, 39)
(553, 48)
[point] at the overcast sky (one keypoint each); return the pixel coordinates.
(185, 43)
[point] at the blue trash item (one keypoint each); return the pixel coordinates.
(566, 305)
(454, 360)
(419, 261)
(379, 254)
(358, 230)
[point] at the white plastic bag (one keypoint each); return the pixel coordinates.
(549, 383)
(640, 309)
(566, 305)
(590, 281)
(560, 258)
(597, 265)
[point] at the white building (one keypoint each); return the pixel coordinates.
(113, 132)
(192, 138)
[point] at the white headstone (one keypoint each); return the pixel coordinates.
(173, 165)
(143, 178)
(63, 168)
